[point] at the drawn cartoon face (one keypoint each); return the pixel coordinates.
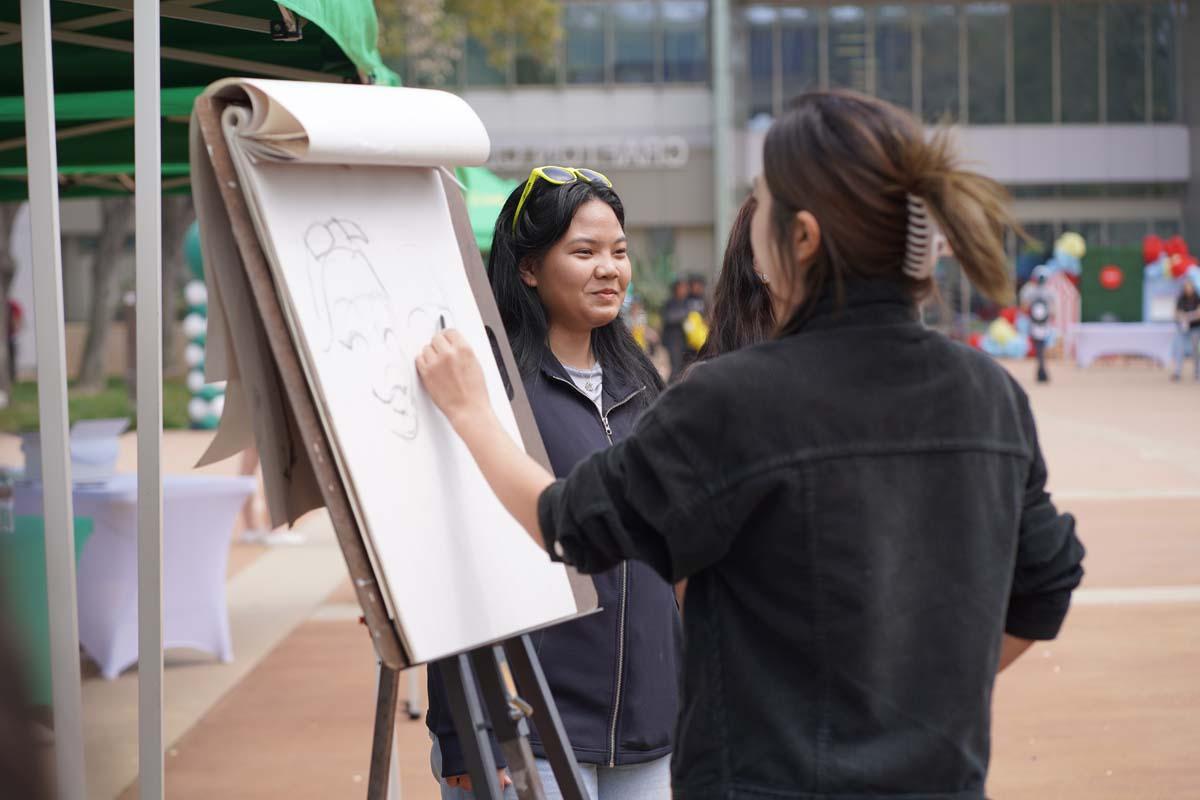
(358, 317)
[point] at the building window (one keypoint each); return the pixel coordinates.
(799, 51)
(532, 70)
(1033, 63)
(1166, 228)
(482, 70)
(1129, 233)
(848, 47)
(635, 57)
(1125, 47)
(1042, 234)
(987, 67)
(1164, 62)
(939, 63)
(894, 55)
(1091, 231)
(583, 37)
(760, 45)
(685, 41)
(1079, 43)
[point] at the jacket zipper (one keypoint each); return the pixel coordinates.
(622, 603)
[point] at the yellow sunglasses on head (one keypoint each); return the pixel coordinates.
(559, 176)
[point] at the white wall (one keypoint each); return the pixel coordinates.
(1050, 154)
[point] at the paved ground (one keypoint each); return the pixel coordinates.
(1110, 710)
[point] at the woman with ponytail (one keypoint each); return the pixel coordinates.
(559, 269)
(859, 505)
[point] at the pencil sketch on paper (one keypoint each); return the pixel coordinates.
(357, 317)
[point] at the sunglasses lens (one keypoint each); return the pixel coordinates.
(591, 176)
(557, 174)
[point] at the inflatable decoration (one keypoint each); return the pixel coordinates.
(1168, 263)
(1111, 277)
(208, 399)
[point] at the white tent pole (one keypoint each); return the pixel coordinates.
(148, 258)
(52, 399)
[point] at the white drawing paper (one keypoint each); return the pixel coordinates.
(368, 268)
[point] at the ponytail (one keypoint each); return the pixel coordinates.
(856, 164)
(972, 211)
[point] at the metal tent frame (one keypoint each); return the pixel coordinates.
(35, 33)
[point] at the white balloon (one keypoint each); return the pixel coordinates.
(218, 405)
(195, 381)
(194, 325)
(195, 293)
(194, 355)
(197, 409)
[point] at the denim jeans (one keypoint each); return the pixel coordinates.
(649, 781)
(1185, 342)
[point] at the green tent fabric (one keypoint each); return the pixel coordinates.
(485, 192)
(23, 581)
(94, 102)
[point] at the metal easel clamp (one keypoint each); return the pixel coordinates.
(288, 28)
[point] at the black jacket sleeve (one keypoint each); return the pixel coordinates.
(651, 497)
(441, 724)
(1049, 556)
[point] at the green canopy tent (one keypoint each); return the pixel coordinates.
(77, 62)
(201, 42)
(485, 192)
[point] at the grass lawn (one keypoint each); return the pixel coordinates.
(21, 416)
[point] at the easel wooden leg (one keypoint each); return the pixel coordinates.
(471, 725)
(508, 723)
(531, 683)
(383, 740)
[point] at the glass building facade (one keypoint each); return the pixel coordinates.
(975, 63)
(1093, 85)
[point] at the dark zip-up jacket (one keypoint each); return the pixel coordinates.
(614, 675)
(862, 513)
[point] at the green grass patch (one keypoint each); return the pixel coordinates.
(21, 416)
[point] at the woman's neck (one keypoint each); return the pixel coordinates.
(572, 348)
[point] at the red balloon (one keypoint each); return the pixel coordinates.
(1152, 248)
(1176, 246)
(1009, 314)
(975, 340)
(1111, 277)
(1180, 264)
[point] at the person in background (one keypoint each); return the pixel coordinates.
(16, 319)
(859, 504)
(639, 326)
(256, 522)
(559, 270)
(1038, 304)
(741, 309)
(1187, 316)
(698, 295)
(674, 313)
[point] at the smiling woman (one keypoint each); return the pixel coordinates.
(559, 269)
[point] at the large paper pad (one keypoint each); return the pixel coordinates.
(368, 268)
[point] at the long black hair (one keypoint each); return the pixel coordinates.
(545, 218)
(742, 313)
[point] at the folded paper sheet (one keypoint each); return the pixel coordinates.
(348, 205)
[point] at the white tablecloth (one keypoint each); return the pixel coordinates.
(198, 517)
(1154, 340)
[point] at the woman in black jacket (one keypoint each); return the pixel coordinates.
(559, 268)
(859, 504)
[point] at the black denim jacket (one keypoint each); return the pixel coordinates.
(861, 510)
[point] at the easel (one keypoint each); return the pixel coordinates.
(508, 713)
(475, 681)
